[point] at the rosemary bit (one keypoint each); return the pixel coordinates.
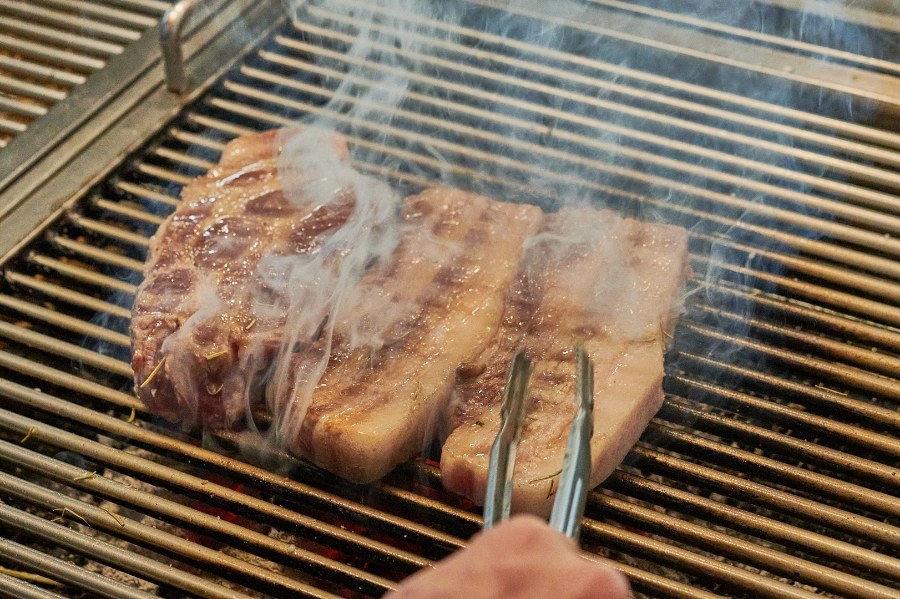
(115, 517)
(29, 577)
(153, 373)
(133, 416)
(84, 476)
(30, 432)
(250, 326)
(213, 390)
(557, 473)
(64, 510)
(215, 355)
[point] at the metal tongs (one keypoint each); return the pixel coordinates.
(568, 507)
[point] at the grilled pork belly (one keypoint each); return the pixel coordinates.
(588, 278)
(378, 405)
(201, 327)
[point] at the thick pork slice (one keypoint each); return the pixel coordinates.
(397, 347)
(201, 325)
(588, 278)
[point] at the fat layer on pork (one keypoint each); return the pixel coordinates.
(589, 278)
(378, 405)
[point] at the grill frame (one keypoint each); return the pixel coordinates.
(442, 513)
(124, 105)
(49, 48)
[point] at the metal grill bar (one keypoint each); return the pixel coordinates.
(863, 357)
(832, 229)
(13, 588)
(106, 230)
(721, 543)
(64, 321)
(62, 348)
(810, 510)
(53, 35)
(69, 381)
(396, 493)
(839, 432)
(82, 274)
(186, 482)
(686, 560)
(109, 13)
(753, 35)
(68, 20)
(128, 212)
(862, 171)
(296, 489)
(32, 68)
(849, 212)
(95, 253)
(147, 193)
(823, 486)
(161, 541)
(830, 399)
(72, 410)
(172, 511)
(59, 569)
(67, 295)
(874, 383)
(662, 38)
(712, 95)
(750, 523)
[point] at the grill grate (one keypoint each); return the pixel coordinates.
(47, 47)
(771, 470)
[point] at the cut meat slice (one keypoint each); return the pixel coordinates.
(589, 278)
(378, 403)
(197, 317)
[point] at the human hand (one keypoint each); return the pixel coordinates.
(522, 558)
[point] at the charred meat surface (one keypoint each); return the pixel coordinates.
(588, 278)
(201, 306)
(364, 355)
(377, 405)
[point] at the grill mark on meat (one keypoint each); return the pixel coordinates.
(227, 240)
(557, 313)
(322, 219)
(247, 176)
(521, 302)
(271, 204)
(373, 408)
(214, 242)
(353, 372)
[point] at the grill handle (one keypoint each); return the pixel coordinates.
(170, 30)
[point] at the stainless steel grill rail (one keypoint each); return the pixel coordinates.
(772, 469)
(47, 47)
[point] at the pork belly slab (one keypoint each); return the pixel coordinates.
(197, 317)
(588, 278)
(378, 405)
